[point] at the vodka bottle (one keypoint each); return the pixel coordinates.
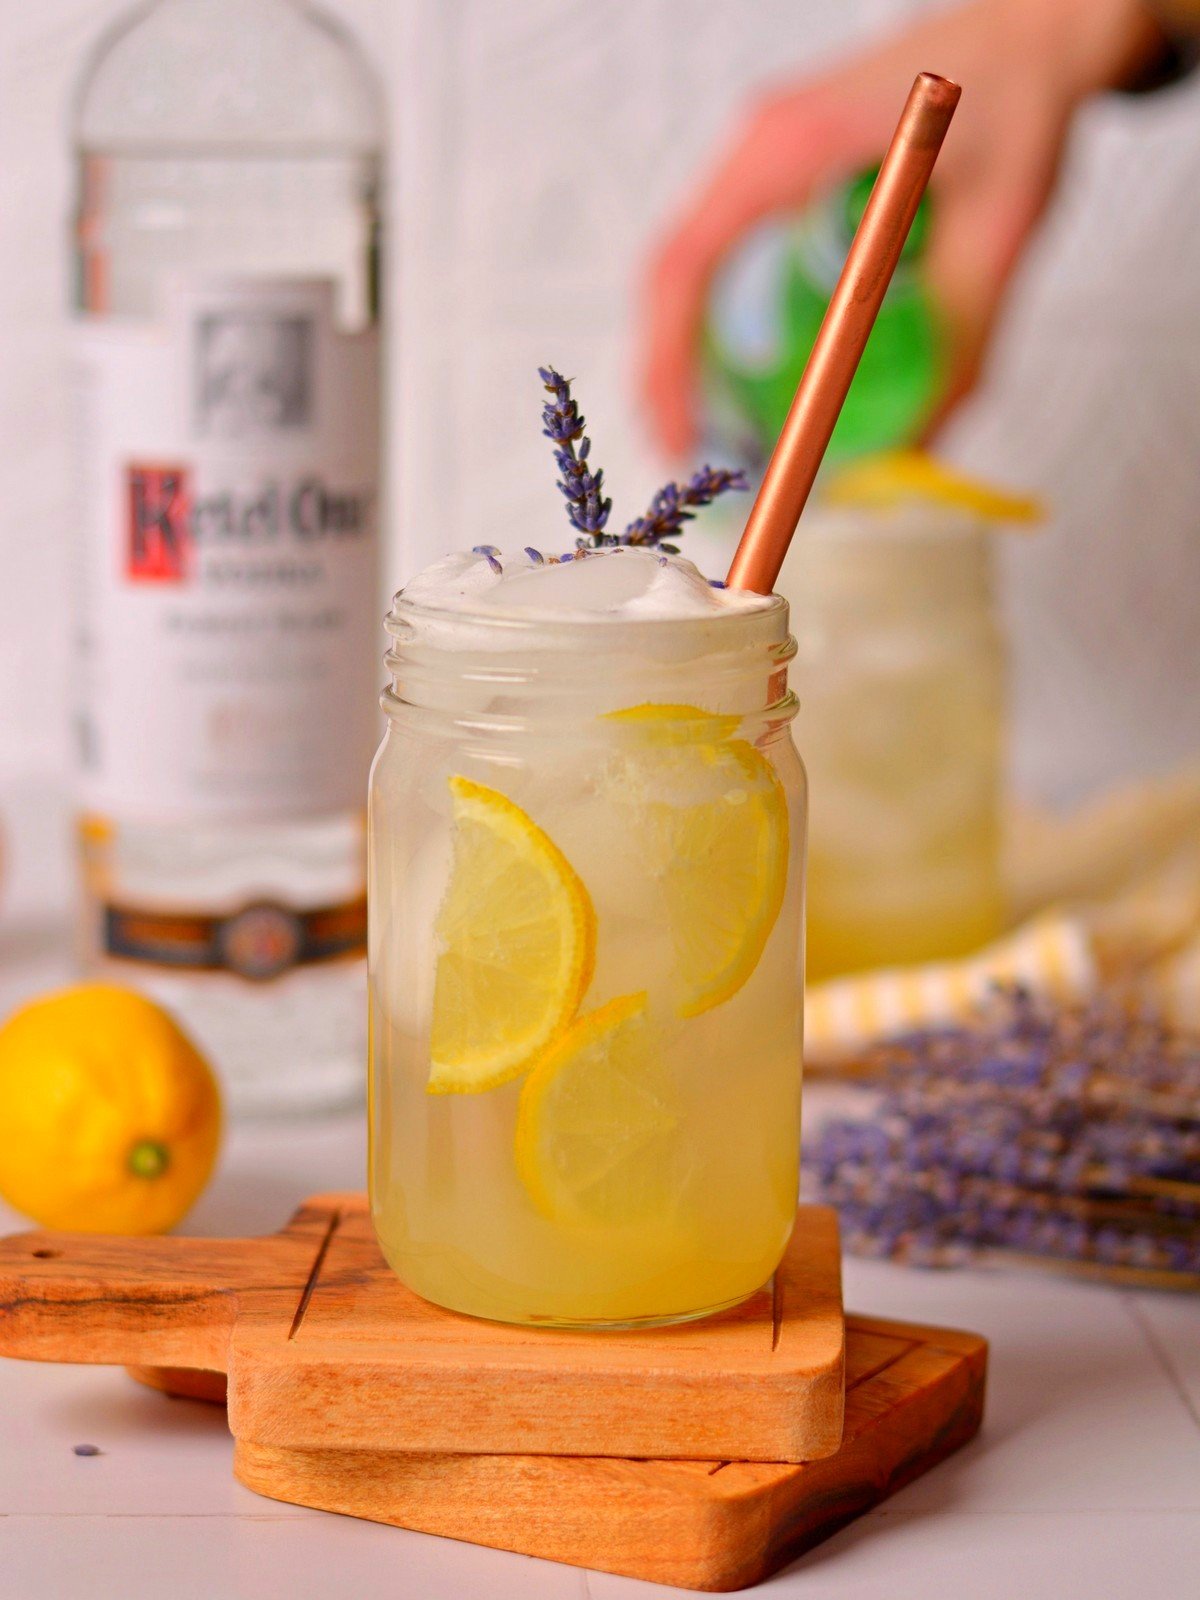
(228, 447)
(767, 304)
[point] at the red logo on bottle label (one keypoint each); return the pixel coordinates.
(160, 524)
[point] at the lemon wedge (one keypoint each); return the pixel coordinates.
(894, 476)
(596, 1137)
(517, 944)
(707, 821)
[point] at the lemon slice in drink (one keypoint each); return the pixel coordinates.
(707, 820)
(596, 1127)
(517, 943)
(896, 476)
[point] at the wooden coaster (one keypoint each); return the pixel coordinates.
(325, 1348)
(913, 1396)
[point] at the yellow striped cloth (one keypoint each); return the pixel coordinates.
(1108, 899)
(1052, 955)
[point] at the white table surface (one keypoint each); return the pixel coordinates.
(1084, 1482)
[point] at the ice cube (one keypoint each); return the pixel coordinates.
(621, 582)
(602, 582)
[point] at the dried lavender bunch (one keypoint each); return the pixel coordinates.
(676, 503)
(1098, 1054)
(1072, 1133)
(583, 489)
(1065, 1152)
(938, 1218)
(588, 510)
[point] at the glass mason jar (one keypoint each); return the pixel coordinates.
(900, 672)
(607, 1134)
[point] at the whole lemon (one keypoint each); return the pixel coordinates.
(109, 1116)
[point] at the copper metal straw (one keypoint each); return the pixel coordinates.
(843, 334)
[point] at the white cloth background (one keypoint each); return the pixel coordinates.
(539, 144)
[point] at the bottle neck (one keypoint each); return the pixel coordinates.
(210, 76)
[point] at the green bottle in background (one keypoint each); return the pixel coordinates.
(764, 310)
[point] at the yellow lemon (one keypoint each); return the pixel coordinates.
(895, 476)
(597, 1122)
(517, 944)
(109, 1116)
(707, 820)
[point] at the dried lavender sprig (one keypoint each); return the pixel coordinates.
(676, 503)
(971, 1206)
(587, 506)
(1140, 1167)
(1097, 1053)
(914, 1216)
(490, 554)
(1137, 1157)
(583, 489)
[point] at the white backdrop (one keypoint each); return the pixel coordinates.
(538, 144)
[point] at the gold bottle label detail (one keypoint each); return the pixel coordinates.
(259, 941)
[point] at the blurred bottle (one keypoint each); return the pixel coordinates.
(229, 167)
(766, 305)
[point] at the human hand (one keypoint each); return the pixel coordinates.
(1025, 65)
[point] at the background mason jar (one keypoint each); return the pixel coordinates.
(900, 672)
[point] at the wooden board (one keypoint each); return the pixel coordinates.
(913, 1395)
(325, 1349)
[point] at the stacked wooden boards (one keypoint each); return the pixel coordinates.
(705, 1455)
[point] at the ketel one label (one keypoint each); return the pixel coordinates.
(229, 511)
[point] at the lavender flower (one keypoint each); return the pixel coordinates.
(587, 508)
(490, 554)
(1066, 1133)
(675, 504)
(583, 489)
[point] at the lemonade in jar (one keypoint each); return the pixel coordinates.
(586, 892)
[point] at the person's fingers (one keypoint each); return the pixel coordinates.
(972, 251)
(992, 183)
(671, 316)
(789, 145)
(980, 233)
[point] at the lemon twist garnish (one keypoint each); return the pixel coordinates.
(896, 476)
